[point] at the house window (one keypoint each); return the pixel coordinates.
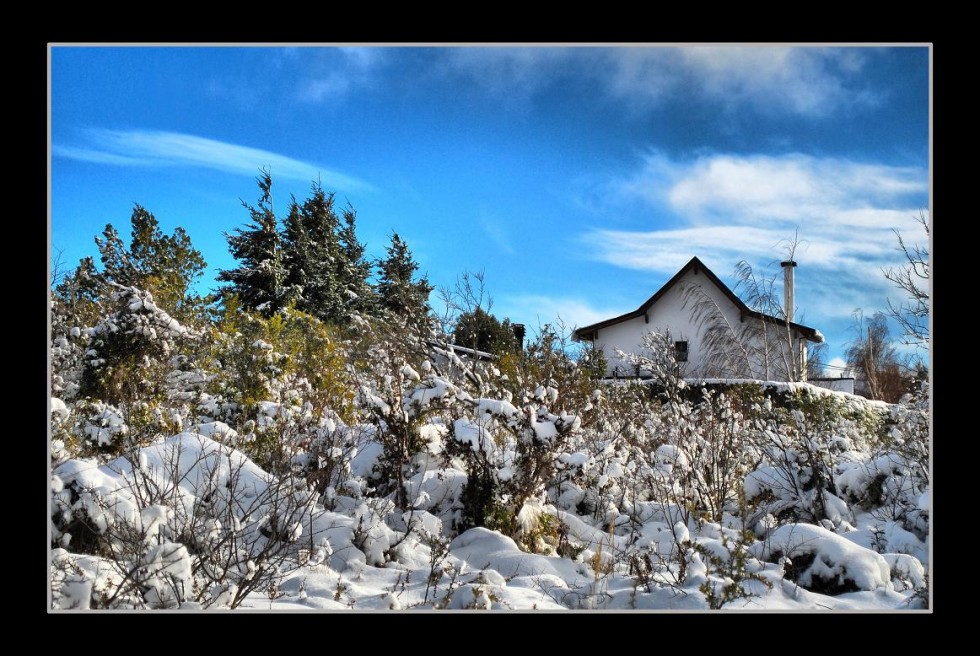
(680, 351)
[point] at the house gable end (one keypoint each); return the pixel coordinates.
(696, 266)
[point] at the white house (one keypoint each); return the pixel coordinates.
(714, 333)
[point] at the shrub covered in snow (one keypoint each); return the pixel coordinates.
(130, 349)
(823, 561)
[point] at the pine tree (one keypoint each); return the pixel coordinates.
(311, 249)
(297, 258)
(398, 294)
(260, 280)
(353, 270)
(326, 272)
(315, 263)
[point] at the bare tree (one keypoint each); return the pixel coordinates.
(816, 358)
(467, 295)
(874, 359)
(912, 314)
(659, 359)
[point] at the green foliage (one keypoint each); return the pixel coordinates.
(548, 536)
(400, 295)
(592, 362)
(260, 279)
(326, 273)
(746, 396)
(400, 440)
(482, 331)
(822, 410)
(251, 352)
(315, 263)
(352, 269)
(130, 350)
(548, 361)
(166, 266)
(482, 505)
(827, 411)
(76, 298)
(727, 576)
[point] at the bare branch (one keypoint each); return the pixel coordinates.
(912, 279)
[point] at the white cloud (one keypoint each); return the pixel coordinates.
(97, 156)
(331, 74)
(800, 80)
(157, 148)
(787, 188)
(666, 251)
(726, 208)
(837, 367)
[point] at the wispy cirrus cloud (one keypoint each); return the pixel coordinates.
(573, 312)
(727, 208)
(806, 81)
(493, 229)
(159, 148)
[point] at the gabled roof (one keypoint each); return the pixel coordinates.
(588, 332)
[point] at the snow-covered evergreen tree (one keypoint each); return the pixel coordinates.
(130, 348)
(398, 293)
(352, 269)
(260, 279)
(75, 299)
(311, 247)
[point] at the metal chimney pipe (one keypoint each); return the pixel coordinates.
(788, 291)
(519, 333)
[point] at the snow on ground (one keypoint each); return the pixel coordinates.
(486, 570)
(355, 560)
(350, 549)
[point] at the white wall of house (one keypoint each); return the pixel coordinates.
(836, 384)
(671, 313)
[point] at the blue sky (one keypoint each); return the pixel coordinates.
(578, 178)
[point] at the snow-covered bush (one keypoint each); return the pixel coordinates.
(797, 456)
(730, 571)
(130, 349)
(277, 381)
(100, 428)
(183, 520)
(68, 347)
(823, 561)
(658, 360)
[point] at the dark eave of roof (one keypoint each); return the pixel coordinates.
(588, 332)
